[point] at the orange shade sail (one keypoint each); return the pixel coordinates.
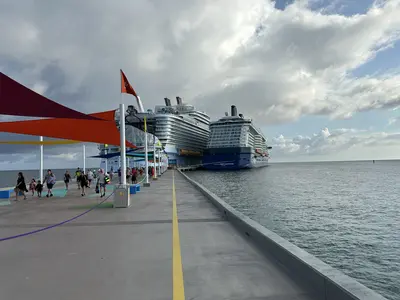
(93, 131)
(105, 115)
(52, 142)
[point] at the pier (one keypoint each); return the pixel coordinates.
(176, 241)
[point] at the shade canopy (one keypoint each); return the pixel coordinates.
(49, 142)
(66, 123)
(128, 153)
(18, 100)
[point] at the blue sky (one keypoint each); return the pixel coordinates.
(384, 61)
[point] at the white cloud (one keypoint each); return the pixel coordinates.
(393, 121)
(274, 65)
(55, 157)
(206, 51)
(334, 142)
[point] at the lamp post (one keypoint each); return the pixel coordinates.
(41, 160)
(105, 152)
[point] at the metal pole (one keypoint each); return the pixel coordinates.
(41, 160)
(84, 158)
(154, 156)
(122, 141)
(159, 162)
(105, 151)
(146, 161)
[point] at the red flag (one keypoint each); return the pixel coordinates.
(126, 86)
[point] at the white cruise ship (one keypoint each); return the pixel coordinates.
(182, 131)
(235, 143)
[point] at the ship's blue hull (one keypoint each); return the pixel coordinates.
(230, 159)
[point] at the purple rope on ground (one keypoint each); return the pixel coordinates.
(55, 225)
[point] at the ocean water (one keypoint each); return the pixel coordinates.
(345, 213)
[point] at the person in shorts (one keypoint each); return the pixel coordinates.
(50, 180)
(67, 179)
(77, 176)
(39, 188)
(83, 179)
(101, 182)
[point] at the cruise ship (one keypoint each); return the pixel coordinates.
(235, 143)
(182, 131)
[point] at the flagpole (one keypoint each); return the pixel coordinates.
(106, 152)
(159, 162)
(84, 158)
(146, 160)
(154, 157)
(122, 142)
(41, 160)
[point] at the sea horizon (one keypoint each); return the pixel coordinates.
(270, 162)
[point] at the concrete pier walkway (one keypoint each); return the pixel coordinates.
(170, 244)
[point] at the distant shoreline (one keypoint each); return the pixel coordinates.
(270, 162)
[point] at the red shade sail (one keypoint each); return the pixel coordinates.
(18, 100)
(105, 115)
(93, 131)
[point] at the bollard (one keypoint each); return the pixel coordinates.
(122, 197)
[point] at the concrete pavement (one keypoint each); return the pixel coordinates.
(148, 251)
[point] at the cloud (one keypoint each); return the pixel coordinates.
(54, 157)
(393, 121)
(275, 65)
(328, 142)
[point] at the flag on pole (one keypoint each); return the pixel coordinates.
(145, 125)
(126, 86)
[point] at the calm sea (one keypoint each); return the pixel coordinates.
(345, 213)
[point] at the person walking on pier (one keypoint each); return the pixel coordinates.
(134, 175)
(77, 176)
(83, 180)
(50, 180)
(67, 179)
(32, 186)
(111, 173)
(90, 177)
(39, 188)
(20, 187)
(119, 176)
(101, 183)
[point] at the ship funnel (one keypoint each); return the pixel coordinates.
(233, 111)
(241, 115)
(167, 102)
(178, 100)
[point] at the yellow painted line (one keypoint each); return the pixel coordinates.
(178, 289)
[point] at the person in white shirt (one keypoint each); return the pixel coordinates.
(101, 182)
(90, 177)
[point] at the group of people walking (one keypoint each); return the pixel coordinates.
(132, 174)
(34, 186)
(83, 180)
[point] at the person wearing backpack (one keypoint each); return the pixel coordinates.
(83, 180)
(67, 179)
(78, 176)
